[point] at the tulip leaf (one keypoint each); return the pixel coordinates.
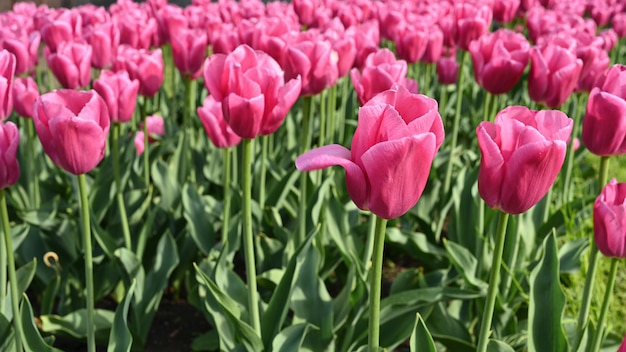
(421, 340)
(465, 263)
(570, 255)
(199, 224)
(547, 302)
(7, 343)
(120, 339)
(291, 338)
(74, 323)
(165, 180)
(209, 341)
(32, 338)
(498, 346)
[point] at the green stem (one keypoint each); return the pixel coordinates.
(306, 112)
(248, 241)
(345, 92)
(264, 147)
(186, 155)
(118, 185)
(443, 102)
(585, 304)
(608, 293)
(369, 242)
(84, 211)
(455, 126)
(146, 147)
(332, 114)
(227, 187)
(569, 158)
(375, 285)
(15, 299)
(32, 164)
(492, 292)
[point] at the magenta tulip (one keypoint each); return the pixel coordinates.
(64, 26)
(609, 220)
(189, 49)
(554, 73)
(447, 70)
(216, 128)
(156, 129)
(251, 87)
(504, 11)
(314, 60)
(25, 91)
(522, 153)
(9, 167)
(144, 66)
(604, 125)
(25, 48)
(472, 21)
(119, 93)
(71, 64)
(104, 39)
(72, 127)
(411, 43)
(499, 60)
(622, 347)
(7, 73)
(393, 147)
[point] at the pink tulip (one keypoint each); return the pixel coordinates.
(609, 220)
(64, 26)
(619, 24)
(25, 48)
(9, 167)
(7, 73)
(367, 38)
(393, 148)
(71, 64)
(504, 11)
(472, 21)
(104, 40)
(622, 347)
(251, 87)
(144, 66)
(25, 92)
(411, 43)
(381, 72)
(189, 49)
(522, 153)
(314, 60)
(137, 29)
(499, 60)
(447, 70)
(119, 93)
(72, 127)
(155, 127)
(434, 47)
(215, 126)
(554, 73)
(604, 125)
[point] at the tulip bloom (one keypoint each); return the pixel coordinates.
(72, 127)
(554, 73)
(604, 125)
(25, 48)
(119, 93)
(216, 128)
(104, 40)
(7, 73)
(155, 127)
(447, 70)
(314, 61)
(522, 153)
(71, 64)
(471, 22)
(251, 87)
(499, 60)
(9, 167)
(144, 66)
(622, 347)
(393, 147)
(609, 220)
(189, 49)
(25, 91)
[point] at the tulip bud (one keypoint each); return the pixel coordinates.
(609, 220)
(7, 73)
(9, 167)
(25, 91)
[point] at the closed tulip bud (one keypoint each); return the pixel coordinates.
(397, 137)
(252, 89)
(25, 50)
(504, 11)
(25, 91)
(522, 153)
(71, 64)
(9, 167)
(609, 220)
(7, 73)
(119, 93)
(434, 47)
(314, 61)
(411, 44)
(73, 127)
(104, 40)
(447, 70)
(189, 49)
(472, 21)
(604, 125)
(216, 128)
(554, 73)
(144, 66)
(64, 28)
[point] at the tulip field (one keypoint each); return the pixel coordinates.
(314, 175)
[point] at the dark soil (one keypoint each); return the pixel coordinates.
(175, 325)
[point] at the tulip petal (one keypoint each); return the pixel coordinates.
(337, 155)
(397, 171)
(491, 164)
(608, 222)
(244, 115)
(83, 144)
(213, 69)
(604, 125)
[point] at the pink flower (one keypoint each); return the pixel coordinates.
(9, 167)
(25, 48)
(189, 49)
(71, 64)
(622, 347)
(554, 73)
(252, 89)
(216, 128)
(499, 60)
(447, 70)
(522, 153)
(411, 43)
(393, 147)
(25, 91)
(156, 128)
(504, 11)
(144, 66)
(472, 22)
(7, 73)
(119, 93)
(73, 127)
(609, 220)
(104, 40)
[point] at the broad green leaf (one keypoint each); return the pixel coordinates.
(291, 338)
(465, 263)
(421, 341)
(6, 335)
(199, 224)
(570, 255)
(547, 302)
(32, 338)
(165, 180)
(74, 324)
(120, 339)
(209, 341)
(25, 275)
(498, 346)
(448, 330)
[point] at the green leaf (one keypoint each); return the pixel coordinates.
(165, 181)
(32, 339)
(73, 323)
(7, 343)
(465, 263)
(120, 339)
(420, 338)
(209, 341)
(198, 223)
(498, 346)
(291, 338)
(570, 255)
(547, 303)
